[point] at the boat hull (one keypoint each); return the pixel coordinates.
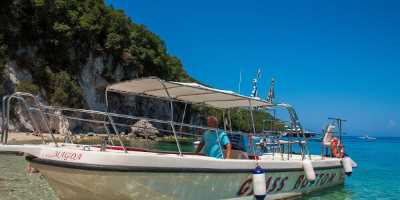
(95, 182)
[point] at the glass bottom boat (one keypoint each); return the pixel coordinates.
(109, 171)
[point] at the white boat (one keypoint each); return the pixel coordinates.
(367, 138)
(77, 171)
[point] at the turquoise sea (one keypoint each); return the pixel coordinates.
(377, 175)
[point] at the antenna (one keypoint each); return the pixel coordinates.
(240, 80)
(271, 93)
(254, 92)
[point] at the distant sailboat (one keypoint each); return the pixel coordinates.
(367, 138)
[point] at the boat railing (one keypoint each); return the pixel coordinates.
(6, 108)
(117, 122)
(336, 133)
(49, 112)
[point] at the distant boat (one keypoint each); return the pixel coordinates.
(367, 138)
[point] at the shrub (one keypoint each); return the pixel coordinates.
(27, 86)
(66, 91)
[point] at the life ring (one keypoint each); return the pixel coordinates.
(337, 148)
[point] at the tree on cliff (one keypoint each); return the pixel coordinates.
(54, 38)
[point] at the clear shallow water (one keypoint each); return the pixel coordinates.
(16, 184)
(377, 175)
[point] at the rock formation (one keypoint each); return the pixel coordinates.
(143, 129)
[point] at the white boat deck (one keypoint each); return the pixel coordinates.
(267, 156)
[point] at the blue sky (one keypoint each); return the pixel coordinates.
(329, 58)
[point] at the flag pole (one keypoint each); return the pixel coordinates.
(271, 93)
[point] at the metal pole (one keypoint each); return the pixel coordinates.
(3, 124)
(69, 134)
(183, 118)
(340, 130)
(223, 118)
(273, 121)
(108, 133)
(252, 120)
(113, 125)
(339, 122)
(298, 126)
(7, 121)
(46, 123)
(35, 125)
(322, 145)
(40, 106)
(172, 116)
(230, 120)
(47, 126)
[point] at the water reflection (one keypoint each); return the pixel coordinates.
(340, 192)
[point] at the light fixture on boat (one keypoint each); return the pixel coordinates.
(259, 183)
(309, 170)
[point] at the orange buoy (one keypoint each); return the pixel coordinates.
(337, 148)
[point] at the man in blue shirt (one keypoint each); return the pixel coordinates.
(214, 142)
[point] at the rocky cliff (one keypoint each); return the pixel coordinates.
(67, 51)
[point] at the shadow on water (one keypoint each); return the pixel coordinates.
(333, 193)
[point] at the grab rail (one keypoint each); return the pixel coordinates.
(6, 114)
(46, 111)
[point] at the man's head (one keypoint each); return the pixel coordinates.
(212, 122)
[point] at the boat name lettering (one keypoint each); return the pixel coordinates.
(272, 185)
(321, 179)
(63, 155)
(278, 184)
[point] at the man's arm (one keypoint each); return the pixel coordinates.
(201, 145)
(228, 151)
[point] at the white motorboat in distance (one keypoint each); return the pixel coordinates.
(367, 138)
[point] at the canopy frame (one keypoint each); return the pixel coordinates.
(168, 97)
(226, 99)
(251, 103)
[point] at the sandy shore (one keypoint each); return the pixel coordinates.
(25, 138)
(30, 138)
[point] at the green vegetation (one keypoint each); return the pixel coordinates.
(241, 119)
(65, 91)
(27, 86)
(54, 38)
